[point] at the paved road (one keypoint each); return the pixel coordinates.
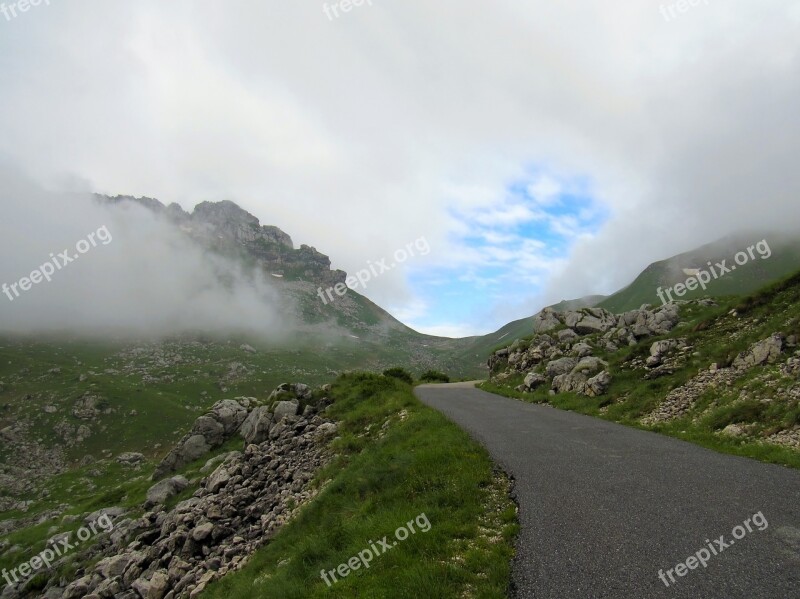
(604, 507)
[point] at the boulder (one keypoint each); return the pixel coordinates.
(764, 352)
(598, 385)
(534, 380)
(208, 432)
(571, 319)
(574, 382)
(286, 408)
(202, 532)
(662, 347)
(210, 429)
(255, 429)
(296, 390)
(130, 459)
(162, 491)
(218, 479)
(567, 336)
(114, 566)
(595, 320)
(589, 366)
(546, 320)
(230, 414)
(560, 366)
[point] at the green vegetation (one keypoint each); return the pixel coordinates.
(381, 478)
(434, 376)
(758, 400)
(400, 374)
(745, 279)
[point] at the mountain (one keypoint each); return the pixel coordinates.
(351, 331)
(762, 260)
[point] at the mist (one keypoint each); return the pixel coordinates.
(126, 271)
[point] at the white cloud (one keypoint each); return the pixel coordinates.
(358, 135)
(545, 191)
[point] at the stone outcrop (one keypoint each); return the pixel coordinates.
(237, 508)
(209, 432)
(562, 340)
(228, 418)
(682, 399)
(764, 352)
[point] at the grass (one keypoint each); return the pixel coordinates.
(381, 478)
(716, 335)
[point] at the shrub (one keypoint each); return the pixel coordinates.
(400, 373)
(434, 376)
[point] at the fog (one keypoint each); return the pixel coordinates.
(358, 134)
(141, 276)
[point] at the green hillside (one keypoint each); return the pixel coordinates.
(725, 403)
(747, 278)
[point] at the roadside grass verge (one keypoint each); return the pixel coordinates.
(395, 459)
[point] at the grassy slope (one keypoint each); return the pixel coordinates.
(746, 279)
(717, 337)
(165, 409)
(423, 465)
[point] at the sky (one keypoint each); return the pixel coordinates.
(544, 151)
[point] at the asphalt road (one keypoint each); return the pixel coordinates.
(604, 507)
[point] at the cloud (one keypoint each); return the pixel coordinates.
(117, 271)
(391, 123)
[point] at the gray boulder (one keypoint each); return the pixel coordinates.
(286, 408)
(297, 390)
(230, 414)
(534, 380)
(573, 382)
(598, 385)
(764, 352)
(130, 459)
(595, 320)
(660, 348)
(582, 350)
(545, 321)
(208, 427)
(589, 366)
(255, 429)
(208, 432)
(218, 479)
(571, 319)
(560, 366)
(567, 336)
(162, 491)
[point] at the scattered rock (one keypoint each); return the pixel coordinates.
(162, 491)
(767, 351)
(130, 459)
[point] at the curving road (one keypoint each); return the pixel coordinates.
(604, 508)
